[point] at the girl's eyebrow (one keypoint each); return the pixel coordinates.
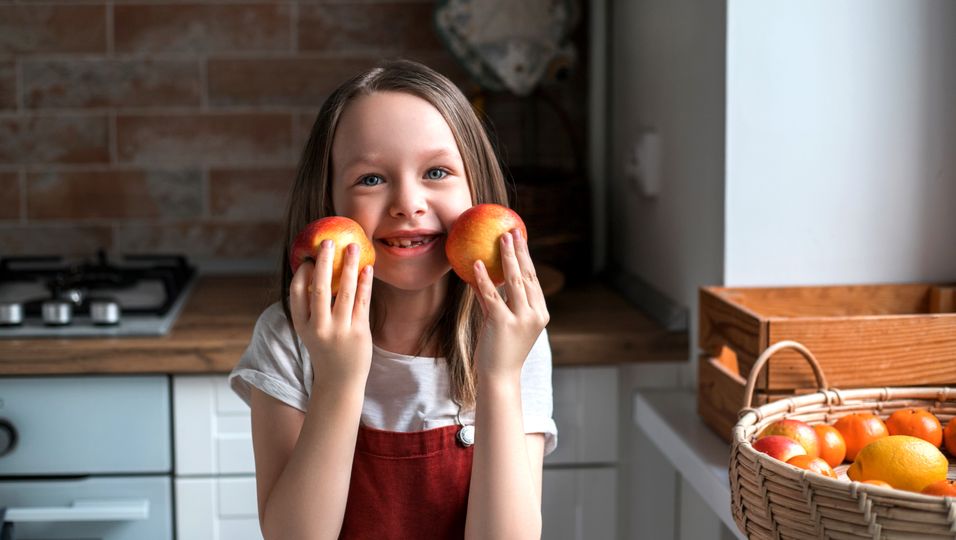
(424, 155)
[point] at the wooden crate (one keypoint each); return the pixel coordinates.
(863, 336)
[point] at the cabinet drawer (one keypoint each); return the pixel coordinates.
(586, 413)
(217, 509)
(212, 427)
(579, 504)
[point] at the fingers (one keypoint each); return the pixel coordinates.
(491, 302)
(345, 297)
(363, 296)
(531, 284)
(514, 280)
(299, 295)
(321, 297)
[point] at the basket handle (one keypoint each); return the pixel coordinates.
(770, 351)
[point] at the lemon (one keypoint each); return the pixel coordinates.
(902, 461)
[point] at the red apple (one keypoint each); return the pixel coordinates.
(797, 430)
(779, 447)
(341, 230)
(476, 235)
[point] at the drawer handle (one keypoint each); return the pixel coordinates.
(83, 510)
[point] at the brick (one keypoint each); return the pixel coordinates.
(250, 194)
(67, 240)
(49, 139)
(278, 81)
(110, 83)
(114, 194)
(8, 85)
(372, 28)
(187, 139)
(52, 28)
(201, 28)
(204, 241)
(10, 200)
(303, 128)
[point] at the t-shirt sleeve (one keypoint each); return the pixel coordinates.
(536, 395)
(271, 363)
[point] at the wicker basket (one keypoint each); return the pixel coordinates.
(770, 499)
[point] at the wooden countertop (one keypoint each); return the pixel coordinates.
(589, 325)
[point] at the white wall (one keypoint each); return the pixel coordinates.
(667, 76)
(841, 141)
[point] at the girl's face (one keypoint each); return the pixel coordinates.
(397, 171)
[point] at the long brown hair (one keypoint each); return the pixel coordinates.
(455, 329)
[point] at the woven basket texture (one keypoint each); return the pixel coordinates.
(773, 500)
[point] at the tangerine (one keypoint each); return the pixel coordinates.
(943, 488)
(949, 436)
(859, 430)
(832, 445)
(815, 464)
(916, 423)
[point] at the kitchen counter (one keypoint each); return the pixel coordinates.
(590, 324)
(700, 457)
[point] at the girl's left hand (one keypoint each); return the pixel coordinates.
(512, 325)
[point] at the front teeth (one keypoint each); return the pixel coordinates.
(405, 243)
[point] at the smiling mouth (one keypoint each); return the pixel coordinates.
(414, 242)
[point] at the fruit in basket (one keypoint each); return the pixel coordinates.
(859, 430)
(877, 483)
(343, 231)
(832, 445)
(949, 436)
(815, 464)
(779, 447)
(903, 461)
(476, 235)
(943, 488)
(916, 423)
(797, 430)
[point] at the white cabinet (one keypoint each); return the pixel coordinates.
(579, 487)
(214, 468)
(579, 503)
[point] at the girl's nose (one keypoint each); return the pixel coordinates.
(408, 200)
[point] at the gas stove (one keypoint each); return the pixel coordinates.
(51, 296)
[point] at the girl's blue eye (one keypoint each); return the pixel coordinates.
(371, 180)
(435, 174)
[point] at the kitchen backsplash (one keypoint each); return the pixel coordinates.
(176, 127)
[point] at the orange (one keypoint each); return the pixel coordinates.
(943, 488)
(916, 423)
(903, 461)
(877, 483)
(859, 430)
(815, 464)
(949, 436)
(832, 445)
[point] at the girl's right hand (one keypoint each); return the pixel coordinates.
(336, 330)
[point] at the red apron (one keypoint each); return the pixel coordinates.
(408, 485)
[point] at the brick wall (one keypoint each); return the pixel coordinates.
(160, 126)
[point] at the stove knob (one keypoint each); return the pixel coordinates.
(8, 437)
(104, 312)
(57, 312)
(11, 313)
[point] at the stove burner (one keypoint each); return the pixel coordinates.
(61, 294)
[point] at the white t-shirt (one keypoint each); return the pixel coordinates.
(403, 393)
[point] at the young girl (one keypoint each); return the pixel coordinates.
(365, 405)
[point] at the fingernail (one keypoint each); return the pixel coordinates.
(517, 233)
(507, 238)
(368, 270)
(353, 249)
(326, 244)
